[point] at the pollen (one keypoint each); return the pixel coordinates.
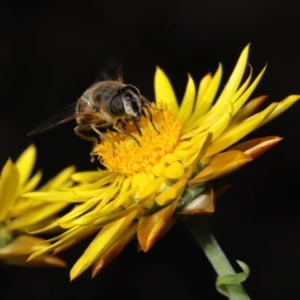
(122, 154)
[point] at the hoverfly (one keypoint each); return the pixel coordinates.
(107, 103)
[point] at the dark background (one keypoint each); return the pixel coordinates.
(51, 52)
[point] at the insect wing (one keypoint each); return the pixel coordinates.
(112, 71)
(67, 114)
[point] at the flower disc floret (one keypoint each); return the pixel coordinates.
(121, 154)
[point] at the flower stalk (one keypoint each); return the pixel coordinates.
(228, 281)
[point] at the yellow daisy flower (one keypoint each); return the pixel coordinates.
(19, 214)
(172, 172)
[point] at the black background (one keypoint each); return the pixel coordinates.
(51, 51)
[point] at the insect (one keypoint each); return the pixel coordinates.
(107, 103)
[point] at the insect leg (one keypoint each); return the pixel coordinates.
(80, 131)
(147, 104)
(137, 127)
(101, 134)
(121, 130)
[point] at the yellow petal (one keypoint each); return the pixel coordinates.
(221, 164)
(244, 97)
(164, 92)
(9, 181)
(171, 192)
(25, 163)
(101, 243)
(157, 169)
(174, 170)
(59, 179)
(65, 239)
(248, 110)
(90, 176)
(114, 250)
(200, 103)
(280, 108)
(22, 245)
(152, 227)
(33, 182)
(140, 185)
(36, 215)
(235, 78)
(104, 219)
(46, 260)
(187, 104)
(220, 125)
(257, 147)
(16, 253)
(168, 158)
(205, 99)
(238, 99)
(239, 131)
(77, 211)
(56, 196)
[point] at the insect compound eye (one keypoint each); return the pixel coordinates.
(135, 107)
(131, 102)
(128, 96)
(116, 106)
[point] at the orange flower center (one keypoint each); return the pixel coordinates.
(122, 154)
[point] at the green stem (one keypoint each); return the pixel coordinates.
(228, 282)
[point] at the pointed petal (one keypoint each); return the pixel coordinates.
(151, 228)
(16, 253)
(82, 234)
(237, 100)
(257, 147)
(221, 164)
(25, 163)
(55, 196)
(280, 108)
(164, 92)
(46, 260)
(101, 243)
(114, 251)
(35, 216)
(69, 238)
(187, 103)
(171, 192)
(90, 176)
(239, 131)
(22, 245)
(244, 97)
(248, 110)
(235, 78)
(77, 211)
(220, 125)
(141, 185)
(205, 100)
(105, 219)
(200, 103)
(174, 170)
(60, 179)
(32, 183)
(9, 181)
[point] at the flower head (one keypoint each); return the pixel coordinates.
(172, 172)
(19, 214)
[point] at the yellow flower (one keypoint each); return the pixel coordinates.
(19, 214)
(172, 172)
